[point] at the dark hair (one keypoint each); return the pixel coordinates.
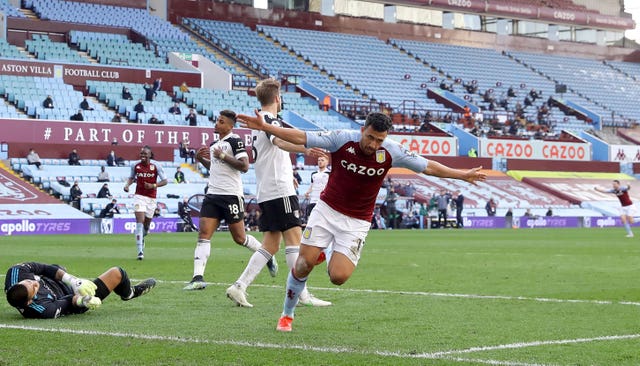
(378, 121)
(229, 114)
(616, 181)
(17, 296)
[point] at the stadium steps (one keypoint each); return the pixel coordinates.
(21, 177)
(240, 69)
(29, 14)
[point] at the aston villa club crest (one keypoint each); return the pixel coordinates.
(381, 156)
(306, 233)
(152, 168)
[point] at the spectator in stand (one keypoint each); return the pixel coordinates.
(186, 152)
(511, 93)
(528, 213)
(326, 103)
(78, 116)
(112, 159)
(184, 88)
(110, 209)
(75, 195)
(48, 102)
(34, 159)
(179, 176)
(84, 105)
(192, 118)
(175, 109)
(527, 102)
(533, 94)
(104, 191)
(139, 108)
(116, 117)
(157, 85)
(491, 207)
(549, 212)
(126, 94)
(103, 176)
(74, 158)
(509, 213)
(149, 93)
(154, 120)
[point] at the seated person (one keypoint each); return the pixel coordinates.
(103, 176)
(48, 102)
(154, 120)
(104, 191)
(126, 94)
(74, 158)
(84, 105)
(78, 116)
(175, 109)
(110, 209)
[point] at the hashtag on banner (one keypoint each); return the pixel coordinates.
(47, 133)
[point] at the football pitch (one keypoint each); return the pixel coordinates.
(433, 297)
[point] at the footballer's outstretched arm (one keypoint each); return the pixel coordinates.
(440, 170)
(292, 135)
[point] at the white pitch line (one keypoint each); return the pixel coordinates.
(446, 355)
(432, 294)
(531, 344)
(439, 294)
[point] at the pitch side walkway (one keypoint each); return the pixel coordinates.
(26, 210)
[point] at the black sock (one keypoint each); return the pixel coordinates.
(124, 287)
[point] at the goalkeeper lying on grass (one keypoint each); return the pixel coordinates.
(41, 290)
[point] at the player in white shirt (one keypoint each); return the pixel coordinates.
(319, 180)
(224, 198)
(342, 217)
(276, 197)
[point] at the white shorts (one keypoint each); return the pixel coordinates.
(628, 210)
(327, 226)
(144, 204)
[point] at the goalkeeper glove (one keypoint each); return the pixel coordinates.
(89, 302)
(79, 286)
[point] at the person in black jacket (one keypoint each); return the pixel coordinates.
(110, 209)
(44, 291)
(76, 194)
(104, 191)
(78, 116)
(74, 158)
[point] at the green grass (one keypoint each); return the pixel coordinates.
(434, 297)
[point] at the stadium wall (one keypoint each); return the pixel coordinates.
(93, 139)
(77, 74)
(563, 165)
